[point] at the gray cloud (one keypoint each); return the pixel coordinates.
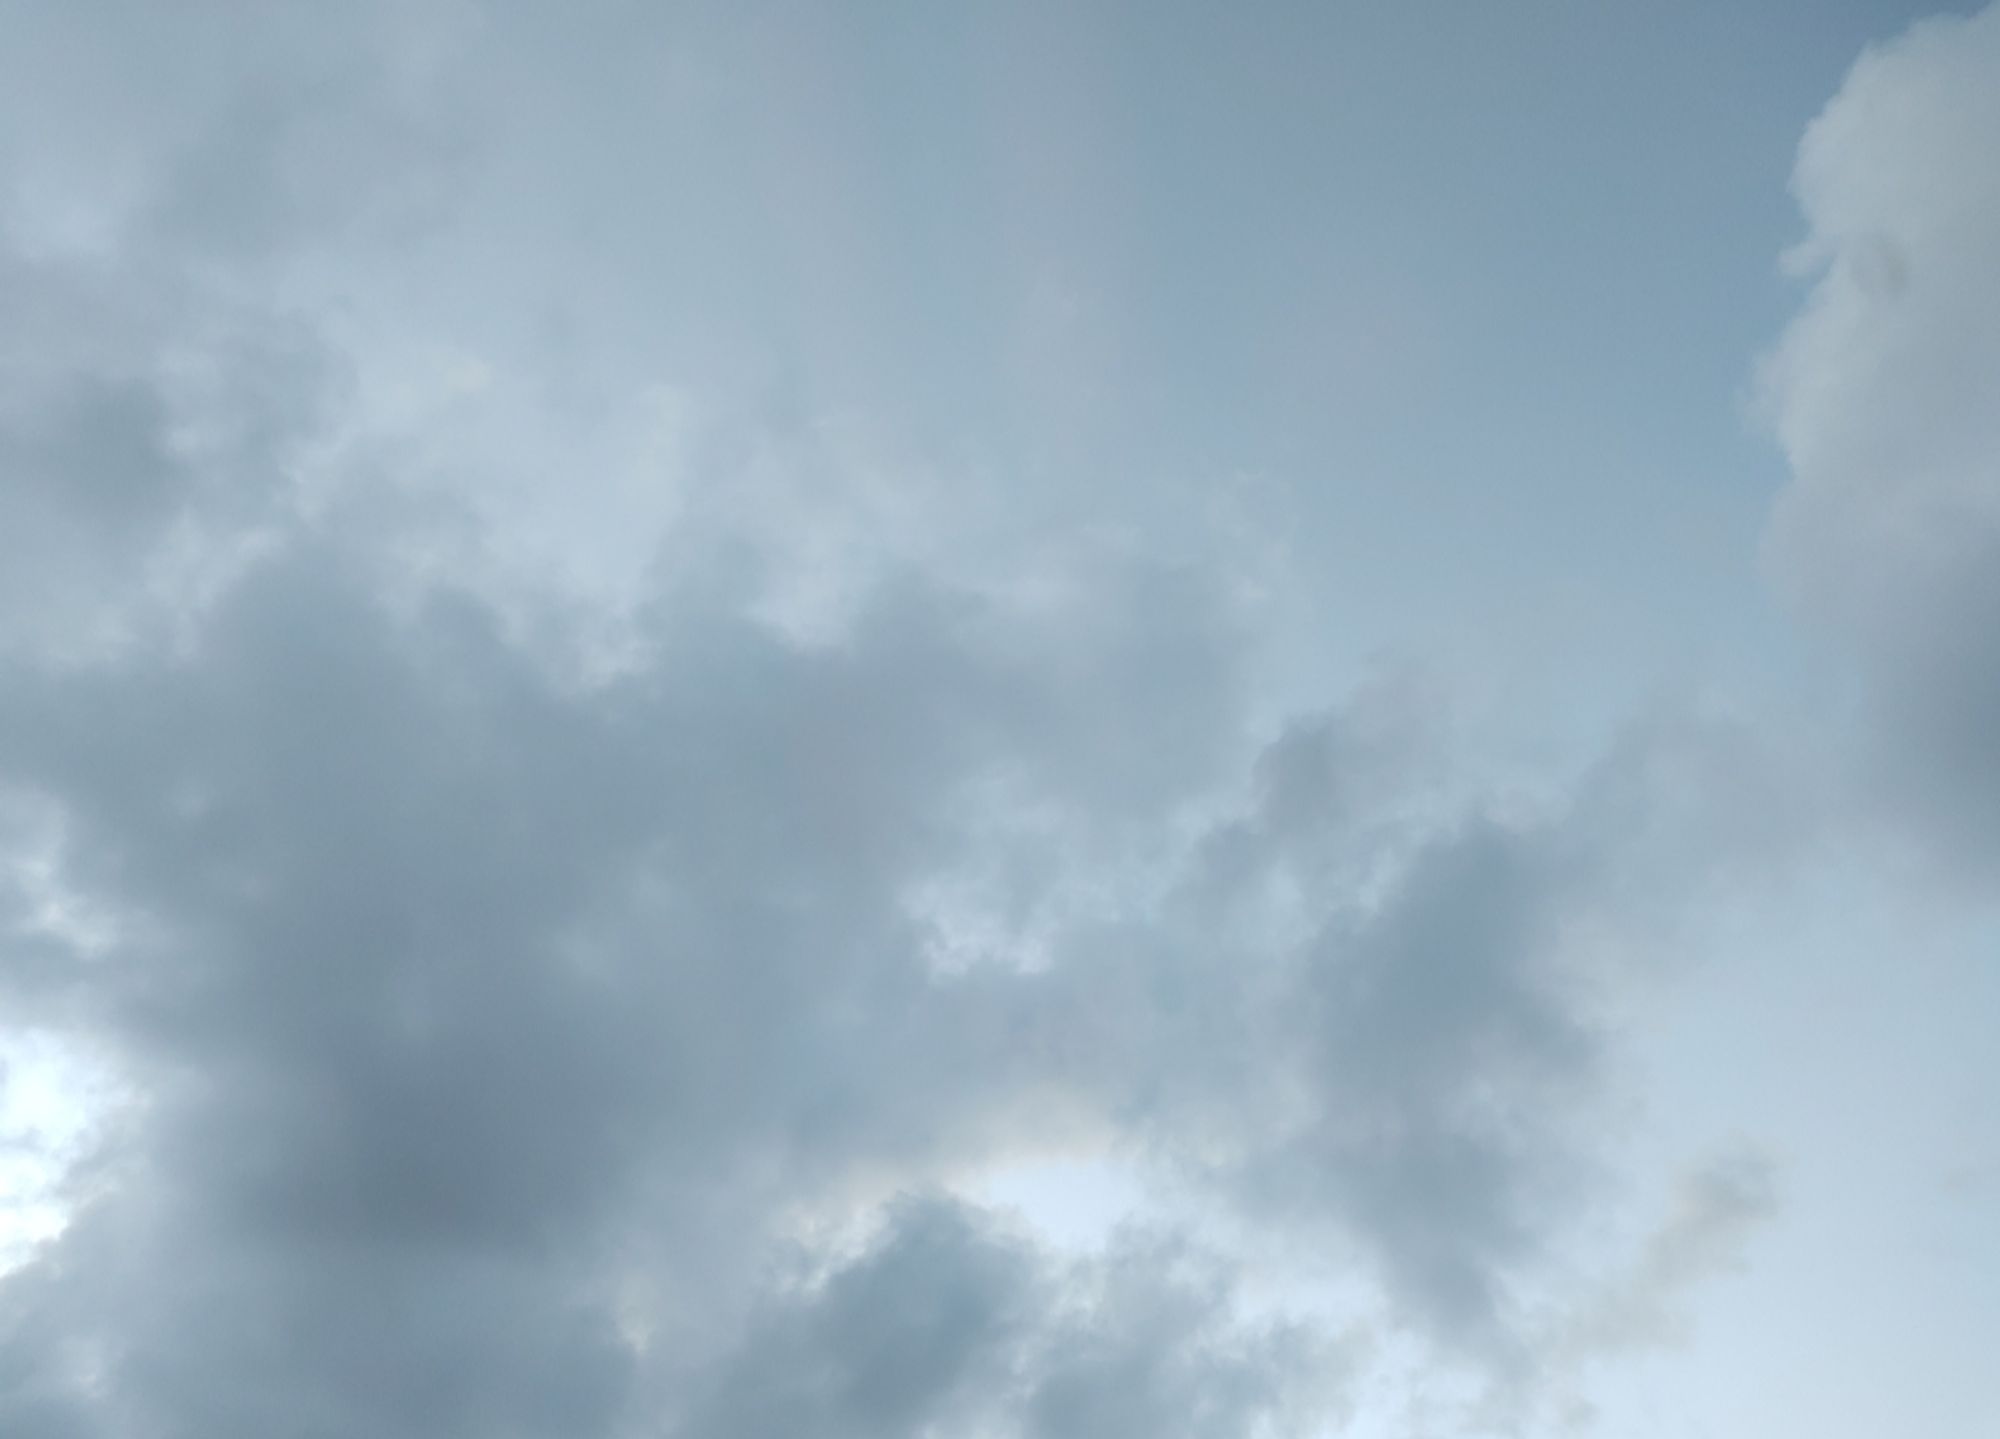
(945, 1322)
(494, 1024)
(467, 1004)
(443, 975)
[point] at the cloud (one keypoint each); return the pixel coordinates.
(945, 1324)
(508, 1043)
(491, 1024)
(445, 980)
(1889, 533)
(141, 433)
(1716, 1207)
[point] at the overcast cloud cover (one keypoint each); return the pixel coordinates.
(778, 720)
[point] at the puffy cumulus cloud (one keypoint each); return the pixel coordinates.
(498, 1043)
(1882, 391)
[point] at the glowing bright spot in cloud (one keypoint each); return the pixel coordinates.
(51, 1100)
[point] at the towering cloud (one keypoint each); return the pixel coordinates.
(1884, 395)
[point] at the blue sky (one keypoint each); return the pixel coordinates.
(762, 719)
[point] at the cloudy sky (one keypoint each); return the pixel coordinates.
(771, 720)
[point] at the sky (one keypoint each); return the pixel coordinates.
(889, 721)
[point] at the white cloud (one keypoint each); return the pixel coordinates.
(1883, 392)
